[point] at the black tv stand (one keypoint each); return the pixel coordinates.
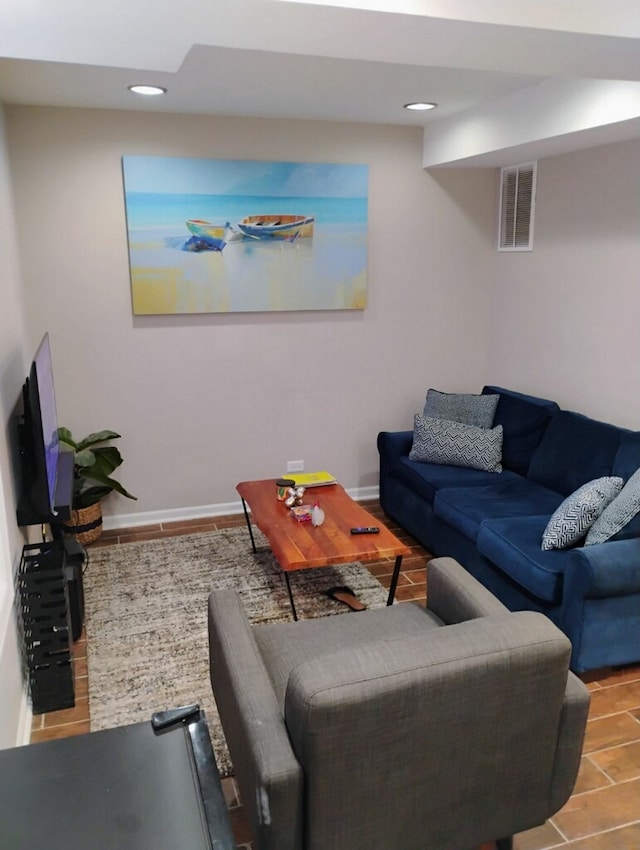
(46, 626)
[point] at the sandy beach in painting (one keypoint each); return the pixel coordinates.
(325, 272)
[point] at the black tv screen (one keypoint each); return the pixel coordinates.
(47, 473)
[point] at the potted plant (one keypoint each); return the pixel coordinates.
(92, 481)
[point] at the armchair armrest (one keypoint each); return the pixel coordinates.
(454, 595)
(270, 778)
(605, 569)
(573, 722)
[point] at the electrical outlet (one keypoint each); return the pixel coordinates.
(295, 466)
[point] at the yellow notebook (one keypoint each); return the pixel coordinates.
(311, 479)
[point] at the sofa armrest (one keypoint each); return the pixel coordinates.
(605, 569)
(392, 444)
(454, 595)
(270, 778)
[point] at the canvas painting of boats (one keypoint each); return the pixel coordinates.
(214, 236)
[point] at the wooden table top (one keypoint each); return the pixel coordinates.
(300, 546)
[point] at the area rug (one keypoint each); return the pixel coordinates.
(146, 618)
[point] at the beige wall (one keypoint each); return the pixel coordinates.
(566, 316)
(13, 708)
(206, 401)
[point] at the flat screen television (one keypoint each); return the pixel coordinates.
(46, 472)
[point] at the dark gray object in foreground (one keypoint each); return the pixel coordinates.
(125, 787)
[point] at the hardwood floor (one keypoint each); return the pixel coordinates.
(602, 814)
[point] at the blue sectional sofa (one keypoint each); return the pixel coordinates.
(493, 522)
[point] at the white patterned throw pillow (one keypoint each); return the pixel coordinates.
(456, 444)
(618, 514)
(579, 511)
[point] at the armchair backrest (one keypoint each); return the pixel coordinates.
(440, 741)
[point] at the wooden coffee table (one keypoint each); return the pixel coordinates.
(301, 546)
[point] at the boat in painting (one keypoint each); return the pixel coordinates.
(274, 226)
(226, 231)
(199, 227)
(208, 236)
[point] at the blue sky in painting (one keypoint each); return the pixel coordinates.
(151, 174)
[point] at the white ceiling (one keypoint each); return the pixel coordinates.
(514, 79)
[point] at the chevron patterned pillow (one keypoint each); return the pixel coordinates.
(456, 444)
(618, 514)
(579, 511)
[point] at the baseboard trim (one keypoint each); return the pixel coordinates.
(358, 494)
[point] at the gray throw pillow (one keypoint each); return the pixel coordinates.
(579, 511)
(617, 514)
(456, 444)
(470, 409)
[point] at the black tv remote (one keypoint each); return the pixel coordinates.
(365, 529)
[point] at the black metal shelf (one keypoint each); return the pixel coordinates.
(46, 626)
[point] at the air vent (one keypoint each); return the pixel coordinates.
(517, 203)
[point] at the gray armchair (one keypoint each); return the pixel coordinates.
(399, 728)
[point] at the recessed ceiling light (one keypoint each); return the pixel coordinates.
(420, 106)
(148, 90)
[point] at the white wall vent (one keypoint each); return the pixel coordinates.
(517, 205)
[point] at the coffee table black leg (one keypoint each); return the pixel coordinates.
(394, 580)
(293, 607)
(246, 516)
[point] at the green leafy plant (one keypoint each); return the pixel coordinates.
(93, 465)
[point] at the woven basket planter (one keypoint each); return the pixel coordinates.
(86, 524)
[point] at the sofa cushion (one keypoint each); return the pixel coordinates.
(617, 514)
(465, 508)
(467, 408)
(575, 516)
(513, 545)
(574, 450)
(456, 444)
(524, 419)
(426, 479)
